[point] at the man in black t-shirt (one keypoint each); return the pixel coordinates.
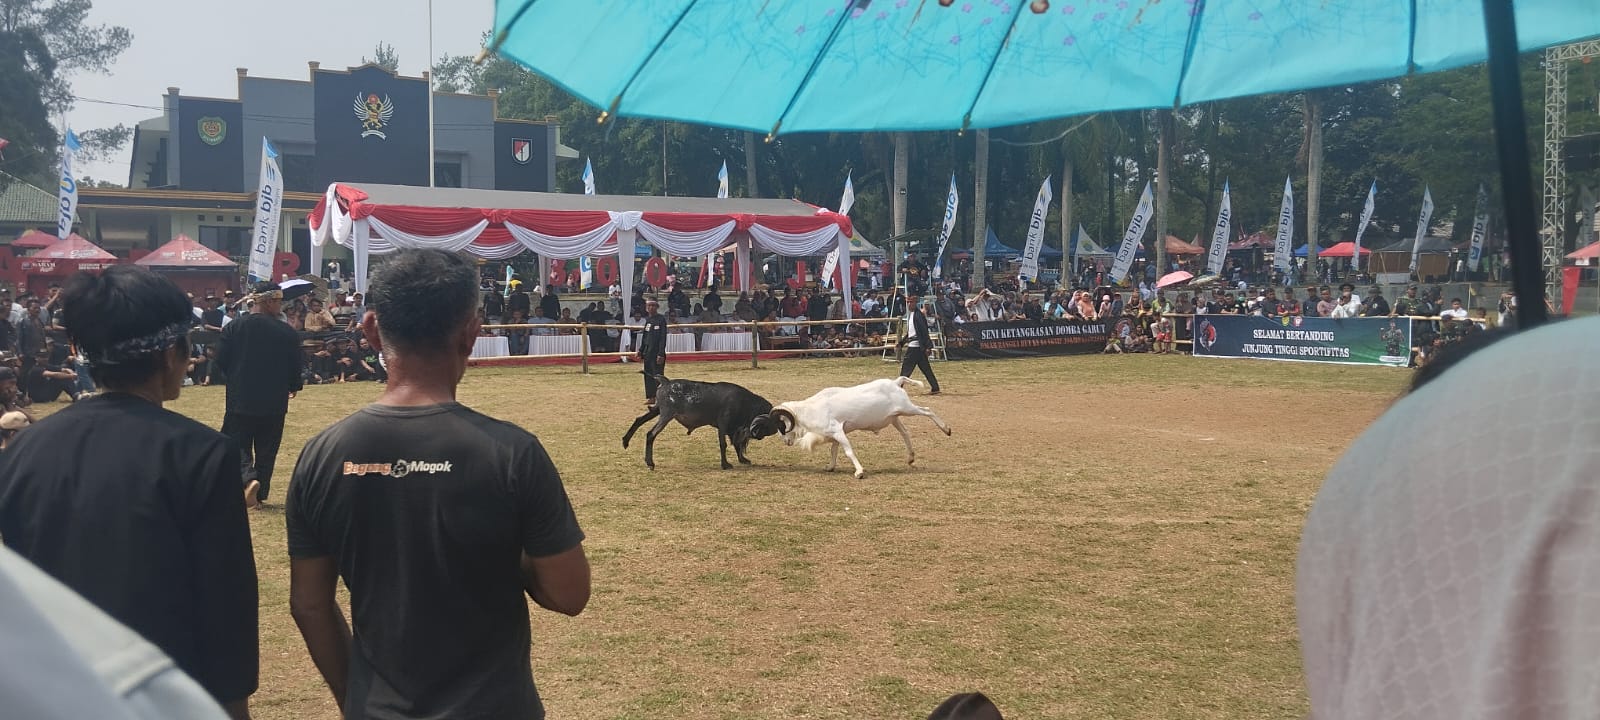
(438, 519)
(47, 382)
(260, 355)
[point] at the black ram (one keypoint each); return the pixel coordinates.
(731, 409)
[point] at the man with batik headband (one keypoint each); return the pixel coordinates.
(133, 506)
(260, 356)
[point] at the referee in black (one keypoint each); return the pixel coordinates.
(653, 349)
(260, 356)
(917, 342)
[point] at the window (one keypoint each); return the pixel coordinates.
(231, 241)
(297, 171)
(447, 174)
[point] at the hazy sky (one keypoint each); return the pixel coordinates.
(195, 45)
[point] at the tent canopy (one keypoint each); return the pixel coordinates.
(1251, 241)
(859, 247)
(1592, 250)
(33, 239)
(1084, 246)
(499, 224)
(1430, 244)
(1342, 250)
(1177, 246)
(74, 247)
(186, 254)
(992, 247)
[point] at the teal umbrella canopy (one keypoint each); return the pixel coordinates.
(872, 65)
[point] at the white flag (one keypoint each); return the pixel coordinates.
(1361, 228)
(1030, 251)
(722, 180)
(68, 196)
(831, 263)
(1283, 247)
(1132, 238)
(1480, 227)
(1219, 236)
(588, 177)
(1422, 225)
(950, 203)
(269, 211)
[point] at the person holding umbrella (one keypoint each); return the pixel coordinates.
(260, 356)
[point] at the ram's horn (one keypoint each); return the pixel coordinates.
(778, 415)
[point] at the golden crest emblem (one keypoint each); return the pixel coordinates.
(374, 114)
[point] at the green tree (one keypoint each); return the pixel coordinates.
(384, 56)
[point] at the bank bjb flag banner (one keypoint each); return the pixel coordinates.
(269, 211)
(1351, 341)
(1422, 226)
(831, 263)
(67, 198)
(1134, 236)
(1283, 246)
(1366, 219)
(1030, 252)
(1480, 227)
(950, 203)
(1219, 235)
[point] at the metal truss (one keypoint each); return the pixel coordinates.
(1551, 230)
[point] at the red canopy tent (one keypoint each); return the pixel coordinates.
(194, 267)
(64, 258)
(1342, 250)
(1587, 252)
(1252, 241)
(33, 240)
(496, 224)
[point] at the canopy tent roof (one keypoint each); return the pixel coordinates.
(1251, 241)
(1084, 246)
(992, 247)
(186, 254)
(1342, 250)
(1177, 246)
(498, 224)
(33, 239)
(74, 247)
(1592, 250)
(859, 247)
(1430, 244)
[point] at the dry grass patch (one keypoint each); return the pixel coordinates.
(1101, 538)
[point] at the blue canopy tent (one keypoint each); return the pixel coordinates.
(992, 247)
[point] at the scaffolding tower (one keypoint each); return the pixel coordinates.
(1556, 60)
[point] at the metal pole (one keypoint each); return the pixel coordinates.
(432, 159)
(755, 346)
(583, 346)
(1516, 180)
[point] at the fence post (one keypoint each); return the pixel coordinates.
(755, 344)
(583, 346)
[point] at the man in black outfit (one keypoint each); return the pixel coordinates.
(653, 349)
(441, 521)
(917, 342)
(260, 355)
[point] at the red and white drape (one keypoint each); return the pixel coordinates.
(345, 217)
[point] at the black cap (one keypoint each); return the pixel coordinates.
(7, 373)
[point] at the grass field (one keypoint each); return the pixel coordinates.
(1100, 538)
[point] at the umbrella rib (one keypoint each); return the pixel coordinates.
(617, 101)
(1188, 52)
(810, 72)
(967, 118)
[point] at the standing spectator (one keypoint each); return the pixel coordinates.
(1326, 305)
(549, 305)
(712, 301)
(917, 342)
(653, 349)
(438, 519)
(1374, 304)
(1347, 306)
(260, 357)
(1409, 304)
(1455, 312)
(494, 305)
(817, 305)
(137, 508)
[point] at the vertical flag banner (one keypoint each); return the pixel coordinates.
(1134, 236)
(950, 203)
(1283, 247)
(67, 198)
(722, 180)
(511, 274)
(831, 263)
(1480, 227)
(269, 211)
(585, 266)
(1219, 235)
(1361, 227)
(1030, 252)
(1422, 226)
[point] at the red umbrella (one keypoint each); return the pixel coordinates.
(1174, 278)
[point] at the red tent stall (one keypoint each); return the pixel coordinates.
(497, 224)
(194, 267)
(34, 240)
(55, 263)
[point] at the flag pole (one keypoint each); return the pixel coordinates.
(432, 159)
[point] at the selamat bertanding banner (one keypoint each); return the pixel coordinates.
(1023, 338)
(1351, 341)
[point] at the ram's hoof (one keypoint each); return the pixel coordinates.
(861, 475)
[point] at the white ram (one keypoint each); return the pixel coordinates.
(832, 414)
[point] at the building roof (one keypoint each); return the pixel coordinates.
(23, 202)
